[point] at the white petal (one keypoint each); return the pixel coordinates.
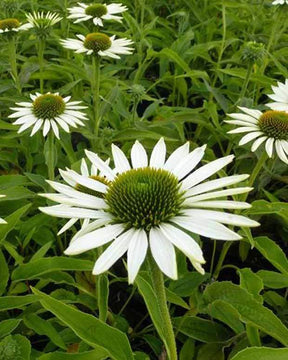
(280, 151)
(216, 184)
(205, 171)
(67, 226)
(46, 127)
(100, 164)
(158, 155)
(136, 253)
(250, 137)
(177, 156)
(257, 143)
(217, 194)
(269, 146)
(189, 162)
(84, 168)
(113, 252)
(243, 129)
(207, 228)
(120, 161)
(94, 239)
(221, 204)
(138, 156)
(183, 242)
(68, 212)
(222, 217)
(163, 253)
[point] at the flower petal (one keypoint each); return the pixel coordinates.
(136, 253)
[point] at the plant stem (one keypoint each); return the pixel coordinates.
(257, 168)
(222, 256)
(159, 288)
(13, 63)
(95, 84)
(50, 155)
(41, 47)
(246, 81)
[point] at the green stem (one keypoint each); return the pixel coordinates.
(257, 169)
(102, 296)
(50, 155)
(246, 81)
(253, 335)
(13, 63)
(222, 256)
(159, 288)
(95, 83)
(41, 48)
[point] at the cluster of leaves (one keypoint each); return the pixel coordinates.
(186, 73)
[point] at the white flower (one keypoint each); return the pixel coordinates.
(48, 111)
(270, 127)
(149, 203)
(99, 44)
(42, 20)
(279, 2)
(97, 12)
(280, 97)
(8, 25)
(2, 221)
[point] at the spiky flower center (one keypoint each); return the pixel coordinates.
(86, 190)
(48, 106)
(96, 10)
(274, 124)
(9, 24)
(144, 197)
(97, 42)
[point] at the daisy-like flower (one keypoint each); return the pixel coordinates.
(280, 97)
(2, 221)
(41, 20)
(10, 25)
(280, 2)
(97, 12)
(149, 203)
(270, 127)
(48, 111)
(99, 44)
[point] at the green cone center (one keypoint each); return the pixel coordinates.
(48, 106)
(144, 197)
(274, 124)
(97, 42)
(9, 24)
(96, 10)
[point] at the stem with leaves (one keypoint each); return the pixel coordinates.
(13, 63)
(50, 155)
(41, 47)
(95, 84)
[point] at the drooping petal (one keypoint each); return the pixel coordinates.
(136, 253)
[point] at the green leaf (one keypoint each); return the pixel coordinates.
(251, 282)
(42, 266)
(273, 279)
(12, 220)
(175, 299)
(186, 285)
(97, 354)
(250, 311)
(7, 326)
(90, 329)
(16, 302)
(202, 330)
(263, 207)
(14, 347)
(272, 252)
(262, 353)
(44, 327)
(188, 350)
(223, 311)
(210, 351)
(4, 273)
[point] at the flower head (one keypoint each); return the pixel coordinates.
(97, 12)
(149, 203)
(43, 21)
(99, 44)
(2, 221)
(12, 24)
(48, 111)
(279, 2)
(280, 97)
(270, 127)
(253, 52)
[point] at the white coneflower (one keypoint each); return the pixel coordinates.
(41, 20)
(97, 12)
(270, 127)
(12, 24)
(149, 203)
(279, 2)
(48, 111)
(280, 97)
(2, 221)
(99, 44)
